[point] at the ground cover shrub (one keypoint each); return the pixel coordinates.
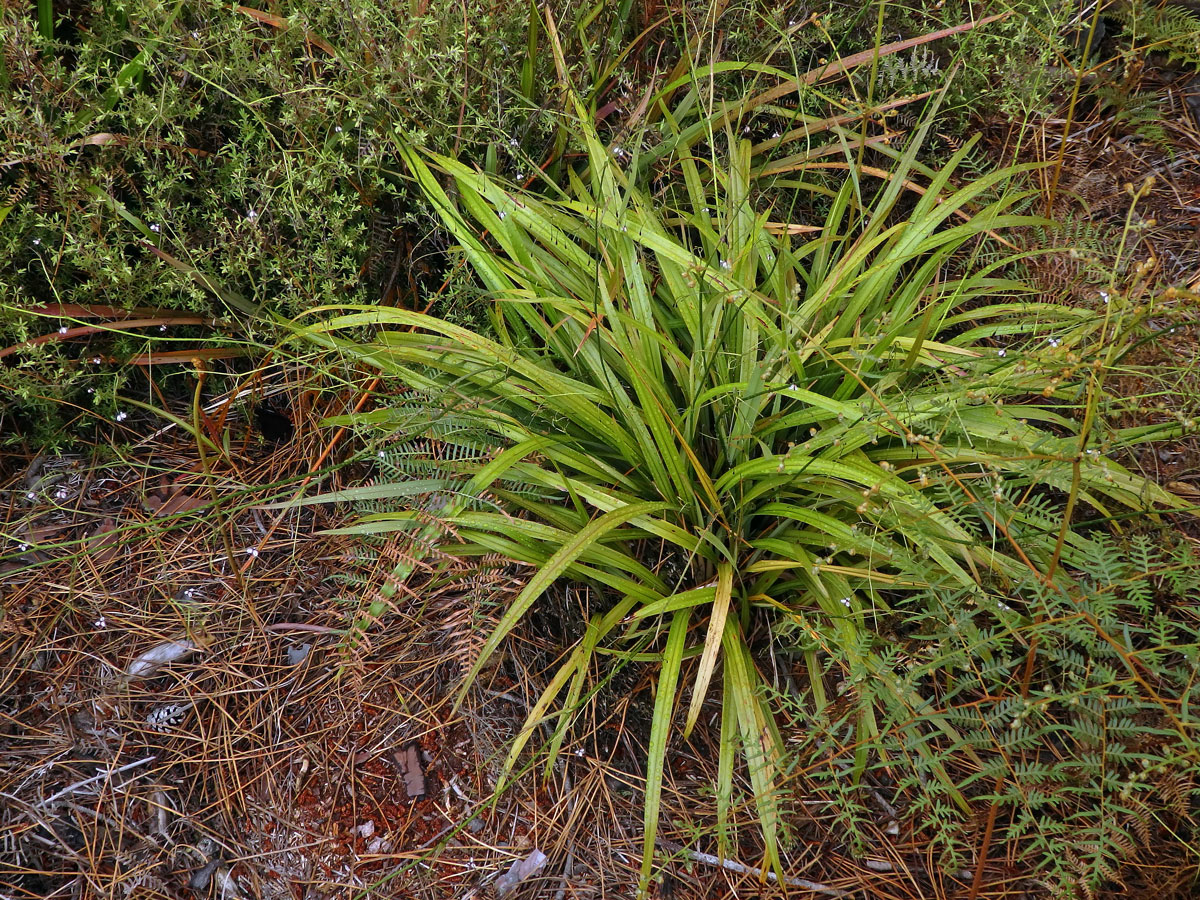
(739, 427)
(248, 144)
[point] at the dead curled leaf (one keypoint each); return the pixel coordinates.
(148, 663)
(408, 758)
(519, 871)
(180, 501)
(103, 543)
(172, 498)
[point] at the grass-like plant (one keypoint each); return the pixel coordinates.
(718, 418)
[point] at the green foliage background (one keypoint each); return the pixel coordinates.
(246, 150)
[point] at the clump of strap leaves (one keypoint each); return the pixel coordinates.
(827, 429)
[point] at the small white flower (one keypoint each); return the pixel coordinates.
(252, 552)
(1104, 296)
(846, 602)
(155, 227)
(337, 128)
(502, 214)
(23, 547)
(91, 390)
(196, 34)
(776, 135)
(162, 327)
(746, 131)
(381, 454)
(122, 416)
(251, 214)
(61, 494)
(37, 242)
(580, 752)
(100, 623)
(1002, 352)
(95, 360)
(726, 265)
(513, 142)
(1053, 342)
(63, 330)
(31, 496)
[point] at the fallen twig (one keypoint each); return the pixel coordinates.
(742, 869)
(107, 773)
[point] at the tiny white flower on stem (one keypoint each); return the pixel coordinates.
(251, 214)
(155, 227)
(252, 552)
(122, 416)
(63, 330)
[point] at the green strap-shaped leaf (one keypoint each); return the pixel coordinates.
(712, 643)
(660, 728)
(554, 569)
